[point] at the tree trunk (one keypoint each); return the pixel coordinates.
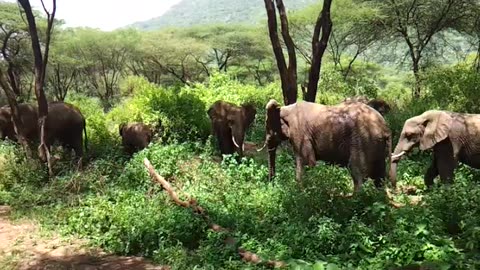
(40, 71)
(319, 45)
(288, 74)
(416, 74)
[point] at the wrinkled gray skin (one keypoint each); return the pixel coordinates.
(229, 125)
(65, 124)
(29, 116)
(135, 136)
(349, 135)
(454, 137)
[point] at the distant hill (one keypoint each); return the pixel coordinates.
(197, 12)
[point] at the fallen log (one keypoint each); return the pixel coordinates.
(191, 203)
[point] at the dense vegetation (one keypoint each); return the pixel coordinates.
(171, 77)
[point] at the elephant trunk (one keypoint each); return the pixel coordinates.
(393, 173)
(238, 137)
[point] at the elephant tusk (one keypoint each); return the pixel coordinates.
(235, 142)
(263, 147)
(398, 155)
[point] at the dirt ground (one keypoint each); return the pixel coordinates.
(24, 246)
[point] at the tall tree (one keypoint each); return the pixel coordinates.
(40, 67)
(319, 43)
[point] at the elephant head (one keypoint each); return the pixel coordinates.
(230, 123)
(276, 131)
(239, 122)
(424, 130)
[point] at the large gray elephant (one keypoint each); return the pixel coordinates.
(229, 124)
(65, 124)
(453, 137)
(350, 135)
(29, 117)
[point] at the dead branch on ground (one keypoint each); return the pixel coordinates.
(191, 203)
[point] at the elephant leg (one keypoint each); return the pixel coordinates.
(357, 177)
(299, 169)
(445, 161)
(431, 173)
(78, 148)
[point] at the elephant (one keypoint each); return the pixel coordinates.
(229, 124)
(454, 137)
(29, 116)
(135, 136)
(349, 135)
(378, 104)
(65, 124)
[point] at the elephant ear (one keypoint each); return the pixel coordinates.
(437, 127)
(273, 121)
(249, 112)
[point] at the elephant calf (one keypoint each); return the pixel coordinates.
(229, 124)
(351, 135)
(454, 137)
(135, 136)
(378, 104)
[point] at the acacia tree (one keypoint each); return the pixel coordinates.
(40, 67)
(417, 22)
(319, 43)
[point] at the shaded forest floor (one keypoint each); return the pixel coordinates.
(24, 246)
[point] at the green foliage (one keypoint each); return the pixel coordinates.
(178, 113)
(454, 88)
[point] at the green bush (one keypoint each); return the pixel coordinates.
(454, 88)
(178, 114)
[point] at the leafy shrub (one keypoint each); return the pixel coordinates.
(454, 88)
(180, 114)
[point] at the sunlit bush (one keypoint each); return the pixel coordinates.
(177, 114)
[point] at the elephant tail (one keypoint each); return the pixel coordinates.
(85, 133)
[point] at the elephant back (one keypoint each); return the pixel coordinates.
(64, 118)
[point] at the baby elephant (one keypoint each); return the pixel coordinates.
(135, 136)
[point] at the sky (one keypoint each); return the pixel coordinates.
(106, 14)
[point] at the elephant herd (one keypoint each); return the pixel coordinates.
(353, 134)
(66, 124)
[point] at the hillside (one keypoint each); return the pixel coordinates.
(194, 12)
